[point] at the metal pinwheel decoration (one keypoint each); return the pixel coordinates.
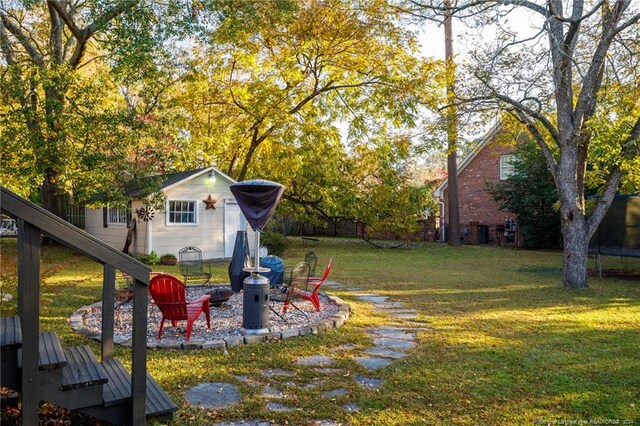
(146, 213)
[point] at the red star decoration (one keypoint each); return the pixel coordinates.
(210, 202)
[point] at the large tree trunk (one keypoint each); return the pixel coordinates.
(452, 136)
(574, 225)
(51, 195)
(575, 252)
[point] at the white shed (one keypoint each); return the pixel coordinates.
(199, 211)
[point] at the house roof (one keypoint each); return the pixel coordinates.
(175, 179)
(480, 144)
(172, 180)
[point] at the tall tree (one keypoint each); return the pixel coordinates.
(321, 99)
(554, 81)
(452, 132)
(83, 84)
(40, 62)
(327, 61)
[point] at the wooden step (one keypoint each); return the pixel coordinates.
(10, 333)
(118, 390)
(11, 342)
(78, 384)
(82, 370)
(51, 355)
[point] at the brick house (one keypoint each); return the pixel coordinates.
(481, 219)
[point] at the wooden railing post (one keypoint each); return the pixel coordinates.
(108, 307)
(139, 353)
(29, 312)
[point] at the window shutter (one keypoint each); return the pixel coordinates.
(104, 217)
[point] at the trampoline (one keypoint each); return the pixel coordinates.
(619, 231)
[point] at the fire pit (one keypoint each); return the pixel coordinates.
(219, 295)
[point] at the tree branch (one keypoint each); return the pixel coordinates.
(552, 165)
(55, 34)
(23, 40)
(586, 103)
(61, 8)
(86, 33)
(610, 189)
(630, 149)
(5, 45)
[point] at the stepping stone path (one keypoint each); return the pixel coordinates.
(391, 343)
(336, 393)
(372, 363)
(213, 395)
(315, 361)
(270, 392)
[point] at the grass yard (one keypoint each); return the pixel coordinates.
(508, 344)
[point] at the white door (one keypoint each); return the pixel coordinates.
(232, 224)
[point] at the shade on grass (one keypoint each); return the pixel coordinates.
(509, 345)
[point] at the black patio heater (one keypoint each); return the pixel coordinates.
(257, 199)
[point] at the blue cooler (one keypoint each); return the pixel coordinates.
(276, 275)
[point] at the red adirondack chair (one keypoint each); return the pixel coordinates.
(311, 292)
(168, 293)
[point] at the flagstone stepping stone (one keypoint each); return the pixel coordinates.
(273, 372)
(213, 395)
(385, 353)
(274, 406)
(372, 298)
(336, 393)
(325, 423)
(315, 361)
(411, 325)
(345, 347)
(313, 384)
(394, 343)
(389, 305)
(396, 334)
(372, 363)
(269, 392)
(329, 371)
(368, 382)
(247, 380)
(404, 315)
(333, 284)
(351, 408)
(353, 289)
(395, 310)
(245, 423)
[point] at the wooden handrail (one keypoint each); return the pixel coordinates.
(73, 237)
(34, 220)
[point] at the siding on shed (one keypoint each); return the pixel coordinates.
(208, 234)
(114, 234)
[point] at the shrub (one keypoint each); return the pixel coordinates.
(168, 259)
(150, 259)
(275, 242)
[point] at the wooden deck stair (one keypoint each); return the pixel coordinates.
(73, 378)
(36, 365)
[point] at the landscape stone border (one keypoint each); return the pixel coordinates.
(336, 321)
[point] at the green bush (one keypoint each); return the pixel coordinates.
(275, 242)
(150, 259)
(168, 259)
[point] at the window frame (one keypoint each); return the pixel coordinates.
(196, 218)
(509, 167)
(120, 214)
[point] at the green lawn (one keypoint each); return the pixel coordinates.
(508, 344)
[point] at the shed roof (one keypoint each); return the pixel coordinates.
(172, 180)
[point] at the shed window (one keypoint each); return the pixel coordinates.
(116, 215)
(506, 166)
(182, 212)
